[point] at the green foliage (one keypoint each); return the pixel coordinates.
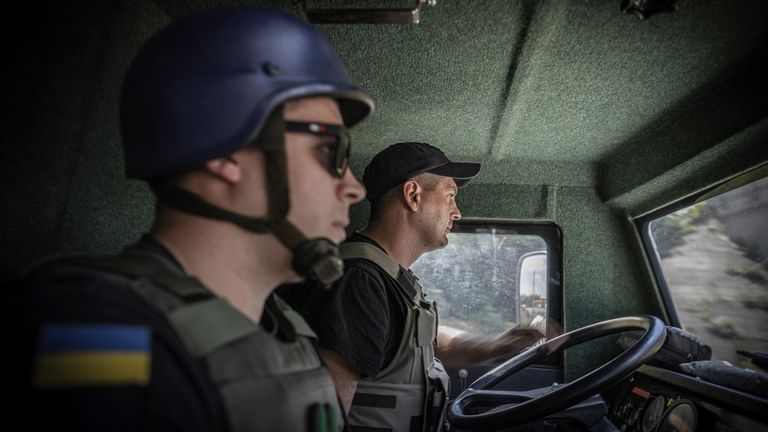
(680, 223)
(755, 302)
(668, 231)
(723, 328)
(698, 213)
(754, 272)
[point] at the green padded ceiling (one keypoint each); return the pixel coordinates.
(528, 83)
(557, 81)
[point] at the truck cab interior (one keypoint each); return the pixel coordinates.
(623, 190)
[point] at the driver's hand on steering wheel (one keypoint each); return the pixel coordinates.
(458, 348)
(513, 341)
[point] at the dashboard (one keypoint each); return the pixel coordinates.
(659, 400)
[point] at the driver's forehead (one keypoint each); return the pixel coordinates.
(447, 184)
(317, 109)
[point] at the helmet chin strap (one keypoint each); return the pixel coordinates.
(317, 258)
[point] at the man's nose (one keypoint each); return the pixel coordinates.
(456, 212)
(350, 189)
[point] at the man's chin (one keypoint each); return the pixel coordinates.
(295, 278)
(339, 239)
(439, 245)
(335, 236)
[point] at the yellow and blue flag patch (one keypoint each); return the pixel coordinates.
(92, 355)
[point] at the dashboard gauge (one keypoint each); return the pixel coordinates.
(680, 417)
(654, 411)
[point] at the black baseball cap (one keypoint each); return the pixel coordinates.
(399, 162)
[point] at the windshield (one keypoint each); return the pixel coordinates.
(713, 256)
(476, 281)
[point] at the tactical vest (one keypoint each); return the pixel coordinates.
(410, 393)
(265, 384)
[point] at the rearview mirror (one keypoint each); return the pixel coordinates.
(532, 290)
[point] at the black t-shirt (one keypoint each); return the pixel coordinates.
(362, 318)
(179, 394)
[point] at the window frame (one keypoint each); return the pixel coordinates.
(644, 225)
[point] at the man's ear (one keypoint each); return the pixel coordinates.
(412, 194)
(225, 168)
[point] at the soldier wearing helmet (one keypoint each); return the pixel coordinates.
(237, 118)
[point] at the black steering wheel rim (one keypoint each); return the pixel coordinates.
(564, 395)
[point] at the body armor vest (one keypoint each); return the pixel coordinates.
(410, 393)
(265, 384)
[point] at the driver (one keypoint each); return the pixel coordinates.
(237, 120)
(377, 323)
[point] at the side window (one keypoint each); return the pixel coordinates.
(491, 278)
(712, 258)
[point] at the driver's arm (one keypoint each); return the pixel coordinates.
(344, 376)
(458, 348)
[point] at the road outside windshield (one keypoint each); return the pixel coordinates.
(714, 258)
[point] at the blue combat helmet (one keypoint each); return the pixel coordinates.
(213, 82)
(204, 86)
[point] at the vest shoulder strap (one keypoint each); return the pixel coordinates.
(367, 251)
(139, 264)
(196, 320)
(296, 320)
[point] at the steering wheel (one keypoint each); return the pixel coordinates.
(512, 409)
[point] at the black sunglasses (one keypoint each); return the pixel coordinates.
(339, 160)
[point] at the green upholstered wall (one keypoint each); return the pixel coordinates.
(63, 189)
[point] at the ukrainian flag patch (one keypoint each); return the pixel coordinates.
(92, 355)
